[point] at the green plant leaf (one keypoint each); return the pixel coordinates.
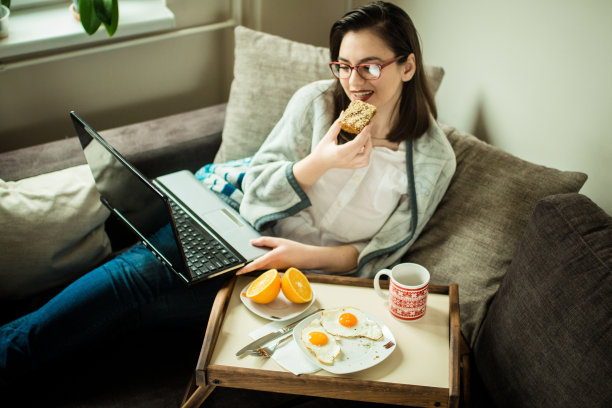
(6, 3)
(89, 19)
(104, 10)
(114, 21)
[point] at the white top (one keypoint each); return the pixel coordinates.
(364, 200)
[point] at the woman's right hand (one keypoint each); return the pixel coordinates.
(351, 155)
(329, 154)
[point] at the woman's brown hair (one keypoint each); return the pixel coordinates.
(396, 29)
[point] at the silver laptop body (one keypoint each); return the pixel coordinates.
(210, 236)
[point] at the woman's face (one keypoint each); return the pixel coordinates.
(364, 46)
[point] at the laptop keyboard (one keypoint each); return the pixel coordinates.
(205, 254)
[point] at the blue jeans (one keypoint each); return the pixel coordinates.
(133, 290)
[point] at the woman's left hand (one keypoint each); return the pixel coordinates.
(284, 253)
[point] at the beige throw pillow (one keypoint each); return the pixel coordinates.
(267, 71)
(52, 231)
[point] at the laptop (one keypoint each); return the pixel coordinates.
(210, 236)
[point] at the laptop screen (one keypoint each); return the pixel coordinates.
(125, 190)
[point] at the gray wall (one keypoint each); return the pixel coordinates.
(532, 77)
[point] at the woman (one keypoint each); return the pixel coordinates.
(334, 208)
(344, 207)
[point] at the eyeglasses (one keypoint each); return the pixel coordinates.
(366, 71)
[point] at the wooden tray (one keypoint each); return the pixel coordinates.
(255, 373)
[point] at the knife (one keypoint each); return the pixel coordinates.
(271, 336)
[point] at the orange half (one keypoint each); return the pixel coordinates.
(295, 286)
(265, 288)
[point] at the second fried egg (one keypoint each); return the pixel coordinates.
(350, 322)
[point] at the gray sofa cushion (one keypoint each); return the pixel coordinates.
(52, 230)
(546, 339)
(472, 236)
(55, 190)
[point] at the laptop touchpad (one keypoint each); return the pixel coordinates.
(223, 220)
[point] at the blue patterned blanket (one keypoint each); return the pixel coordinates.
(225, 179)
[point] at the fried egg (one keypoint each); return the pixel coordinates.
(322, 344)
(350, 322)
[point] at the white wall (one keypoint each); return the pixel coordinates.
(304, 21)
(117, 87)
(532, 77)
(146, 81)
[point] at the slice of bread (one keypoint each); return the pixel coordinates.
(357, 116)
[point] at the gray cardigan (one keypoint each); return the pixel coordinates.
(271, 192)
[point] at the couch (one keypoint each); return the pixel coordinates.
(531, 256)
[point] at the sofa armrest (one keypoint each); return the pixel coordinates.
(182, 141)
(545, 341)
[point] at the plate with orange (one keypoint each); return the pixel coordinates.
(278, 296)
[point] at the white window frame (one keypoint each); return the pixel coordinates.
(37, 26)
(22, 4)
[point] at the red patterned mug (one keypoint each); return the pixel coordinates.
(408, 289)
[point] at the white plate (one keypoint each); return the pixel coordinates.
(357, 353)
(279, 309)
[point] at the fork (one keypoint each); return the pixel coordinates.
(269, 350)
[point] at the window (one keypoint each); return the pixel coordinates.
(42, 25)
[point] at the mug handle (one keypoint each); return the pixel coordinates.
(377, 283)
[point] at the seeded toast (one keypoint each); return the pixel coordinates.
(357, 116)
